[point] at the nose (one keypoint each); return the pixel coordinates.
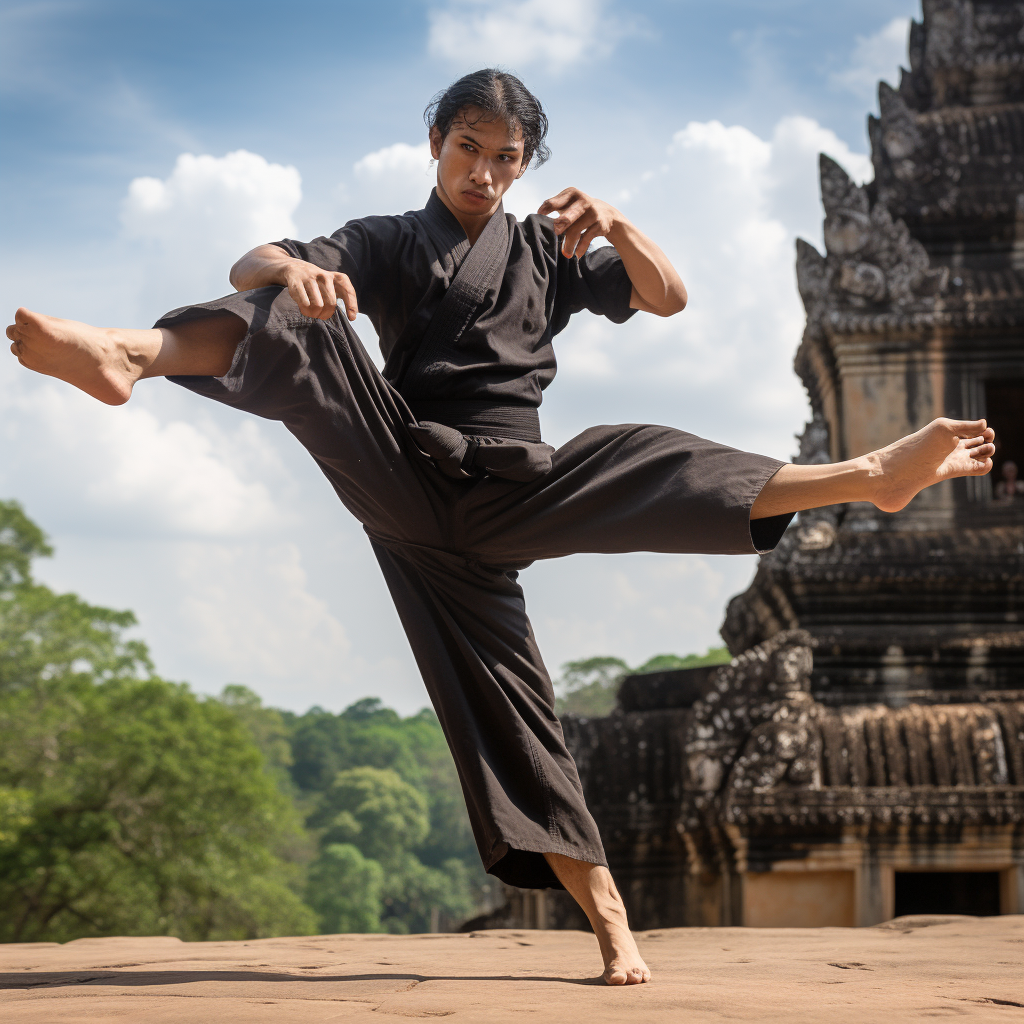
(481, 172)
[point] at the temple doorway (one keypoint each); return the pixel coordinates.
(1004, 410)
(947, 892)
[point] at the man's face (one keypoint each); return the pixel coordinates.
(477, 161)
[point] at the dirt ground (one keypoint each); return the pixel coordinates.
(906, 970)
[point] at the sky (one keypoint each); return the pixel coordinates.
(148, 145)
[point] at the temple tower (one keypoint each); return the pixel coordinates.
(916, 310)
(863, 754)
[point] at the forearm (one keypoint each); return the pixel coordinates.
(260, 267)
(657, 286)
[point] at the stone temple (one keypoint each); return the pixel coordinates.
(862, 757)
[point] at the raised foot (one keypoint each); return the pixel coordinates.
(943, 450)
(94, 359)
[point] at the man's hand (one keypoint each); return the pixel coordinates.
(657, 288)
(316, 292)
(581, 219)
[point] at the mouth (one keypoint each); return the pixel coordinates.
(477, 197)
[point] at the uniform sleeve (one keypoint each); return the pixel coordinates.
(365, 249)
(610, 288)
(598, 282)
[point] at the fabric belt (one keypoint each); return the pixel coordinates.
(485, 419)
(466, 456)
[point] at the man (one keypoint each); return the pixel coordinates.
(441, 457)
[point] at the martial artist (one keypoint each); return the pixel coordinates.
(441, 458)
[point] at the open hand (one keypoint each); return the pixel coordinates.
(581, 219)
(316, 291)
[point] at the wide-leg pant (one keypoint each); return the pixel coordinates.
(450, 551)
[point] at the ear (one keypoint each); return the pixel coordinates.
(436, 142)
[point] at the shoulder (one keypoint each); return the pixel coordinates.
(382, 229)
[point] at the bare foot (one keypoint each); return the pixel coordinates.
(96, 359)
(943, 450)
(592, 887)
(623, 964)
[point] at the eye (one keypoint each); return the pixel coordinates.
(468, 148)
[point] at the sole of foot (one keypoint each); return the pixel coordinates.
(943, 450)
(93, 359)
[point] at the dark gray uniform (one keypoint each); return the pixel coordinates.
(440, 458)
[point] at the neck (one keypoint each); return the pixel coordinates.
(472, 223)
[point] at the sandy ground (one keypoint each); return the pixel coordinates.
(909, 969)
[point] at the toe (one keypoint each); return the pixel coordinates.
(963, 428)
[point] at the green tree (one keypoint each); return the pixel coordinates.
(664, 662)
(589, 686)
(127, 804)
(344, 889)
(375, 810)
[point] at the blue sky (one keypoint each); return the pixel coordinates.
(701, 121)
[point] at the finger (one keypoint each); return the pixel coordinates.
(557, 202)
(984, 452)
(298, 293)
(586, 239)
(573, 233)
(326, 286)
(972, 442)
(570, 215)
(316, 302)
(343, 286)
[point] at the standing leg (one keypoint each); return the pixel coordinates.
(592, 887)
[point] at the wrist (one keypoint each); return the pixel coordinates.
(620, 229)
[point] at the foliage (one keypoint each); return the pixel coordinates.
(127, 804)
(589, 687)
(345, 890)
(398, 806)
(665, 662)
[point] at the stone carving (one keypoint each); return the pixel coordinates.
(743, 694)
(964, 52)
(814, 442)
(870, 259)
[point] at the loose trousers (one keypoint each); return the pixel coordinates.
(450, 551)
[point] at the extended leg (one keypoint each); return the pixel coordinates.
(105, 362)
(889, 477)
(592, 887)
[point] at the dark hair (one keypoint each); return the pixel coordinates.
(501, 96)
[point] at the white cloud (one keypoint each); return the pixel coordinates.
(285, 634)
(131, 472)
(875, 57)
(391, 180)
(726, 206)
(194, 224)
(554, 33)
(630, 606)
